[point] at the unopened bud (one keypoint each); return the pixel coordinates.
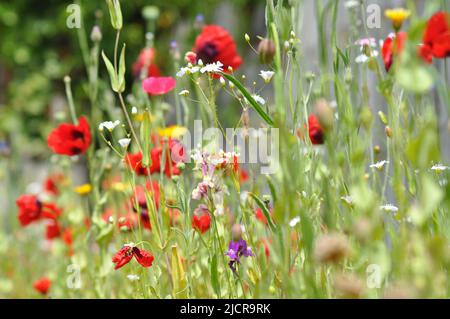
(116, 14)
(96, 34)
(266, 51)
(190, 57)
(382, 117)
(236, 232)
(388, 131)
(325, 114)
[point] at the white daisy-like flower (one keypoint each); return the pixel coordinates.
(348, 199)
(189, 69)
(294, 221)
(362, 58)
(124, 142)
(389, 208)
(266, 75)
(184, 93)
(134, 110)
(132, 277)
(212, 67)
(439, 167)
(258, 99)
(350, 4)
(222, 81)
(379, 165)
(130, 245)
(109, 125)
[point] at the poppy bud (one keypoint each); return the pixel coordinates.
(310, 76)
(236, 232)
(266, 51)
(377, 149)
(362, 229)
(96, 34)
(388, 131)
(325, 114)
(348, 286)
(331, 248)
(190, 57)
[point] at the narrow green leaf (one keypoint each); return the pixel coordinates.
(146, 160)
(111, 71)
(215, 275)
(265, 211)
(249, 98)
(122, 69)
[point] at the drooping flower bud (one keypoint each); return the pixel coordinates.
(266, 51)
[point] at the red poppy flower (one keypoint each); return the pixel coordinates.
(260, 216)
(30, 209)
(146, 58)
(51, 184)
(243, 175)
(174, 153)
(426, 53)
(158, 85)
(67, 237)
(135, 163)
(392, 46)
(266, 243)
(216, 44)
(50, 211)
(42, 285)
(316, 133)
(69, 139)
(436, 40)
(201, 220)
(53, 230)
(124, 255)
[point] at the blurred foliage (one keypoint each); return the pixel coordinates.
(38, 49)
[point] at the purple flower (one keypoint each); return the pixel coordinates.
(237, 249)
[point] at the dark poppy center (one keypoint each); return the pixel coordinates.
(77, 134)
(207, 53)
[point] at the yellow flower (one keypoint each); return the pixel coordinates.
(397, 16)
(119, 187)
(139, 117)
(173, 131)
(83, 189)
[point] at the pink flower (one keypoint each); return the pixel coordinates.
(158, 85)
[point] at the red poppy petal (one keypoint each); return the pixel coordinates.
(158, 85)
(122, 257)
(143, 257)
